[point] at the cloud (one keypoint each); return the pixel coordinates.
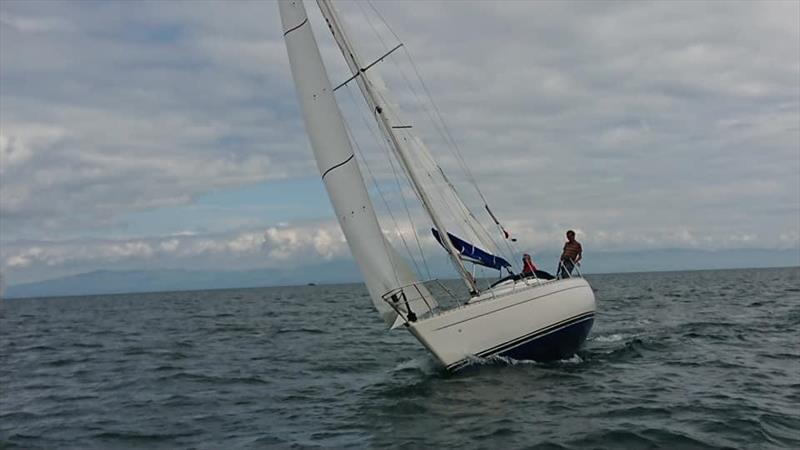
(98, 120)
(645, 125)
(296, 245)
(277, 246)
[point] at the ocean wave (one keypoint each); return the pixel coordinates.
(694, 373)
(616, 337)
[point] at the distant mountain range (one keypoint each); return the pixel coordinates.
(125, 281)
(112, 282)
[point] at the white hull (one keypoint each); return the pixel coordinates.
(535, 320)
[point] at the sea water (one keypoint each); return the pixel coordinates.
(706, 359)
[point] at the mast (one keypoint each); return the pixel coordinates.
(380, 109)
(383, 269)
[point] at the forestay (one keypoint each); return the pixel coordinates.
(432, 187)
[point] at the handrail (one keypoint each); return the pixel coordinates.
(397, 296)
(424, 282)
(563, 269)
(576, 265)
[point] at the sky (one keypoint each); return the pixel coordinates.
(166, 134)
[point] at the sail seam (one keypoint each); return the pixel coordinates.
(338, 165)
(294, 28)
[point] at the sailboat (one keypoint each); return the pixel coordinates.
(518, 318)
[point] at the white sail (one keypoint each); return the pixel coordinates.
(384, 271)
(446, 198)
(388, 122)
(442, 194)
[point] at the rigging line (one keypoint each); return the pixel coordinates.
(403, 74)
(352, 97)
(380, 193)
(449, 203)
(430, 97)
(374, 182)
(374, 30)
(421, 195)
(408, 213)
(397, 177)
(401, 152)
(466, 214)
(454, 146)
(399, 69)
(463, 211)
(392, 156)
(369, 2)
(405, 205)
(380, 94)
(440, 125)
(365, 78)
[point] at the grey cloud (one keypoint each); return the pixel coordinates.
(279, 246)
(646, 125)
(110, 122)
(681, 117)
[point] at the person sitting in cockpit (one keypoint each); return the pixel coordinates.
(530, 269)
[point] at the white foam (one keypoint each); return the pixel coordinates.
(423, 364)
(574, 360)
(610, 338)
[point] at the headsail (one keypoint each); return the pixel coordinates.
(445, 198)
(383, 270)
(389, 122)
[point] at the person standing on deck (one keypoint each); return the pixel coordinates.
(570, 256)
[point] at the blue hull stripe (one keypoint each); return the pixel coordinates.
(558, 341)
(552, 328)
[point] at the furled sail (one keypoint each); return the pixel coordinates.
(474, 254)
(383, 269)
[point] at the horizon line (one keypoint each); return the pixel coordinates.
(313, 284)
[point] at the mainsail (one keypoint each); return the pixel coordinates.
(446, 198)
(384, 271)
(417, 163)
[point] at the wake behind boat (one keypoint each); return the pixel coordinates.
(520, 318)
